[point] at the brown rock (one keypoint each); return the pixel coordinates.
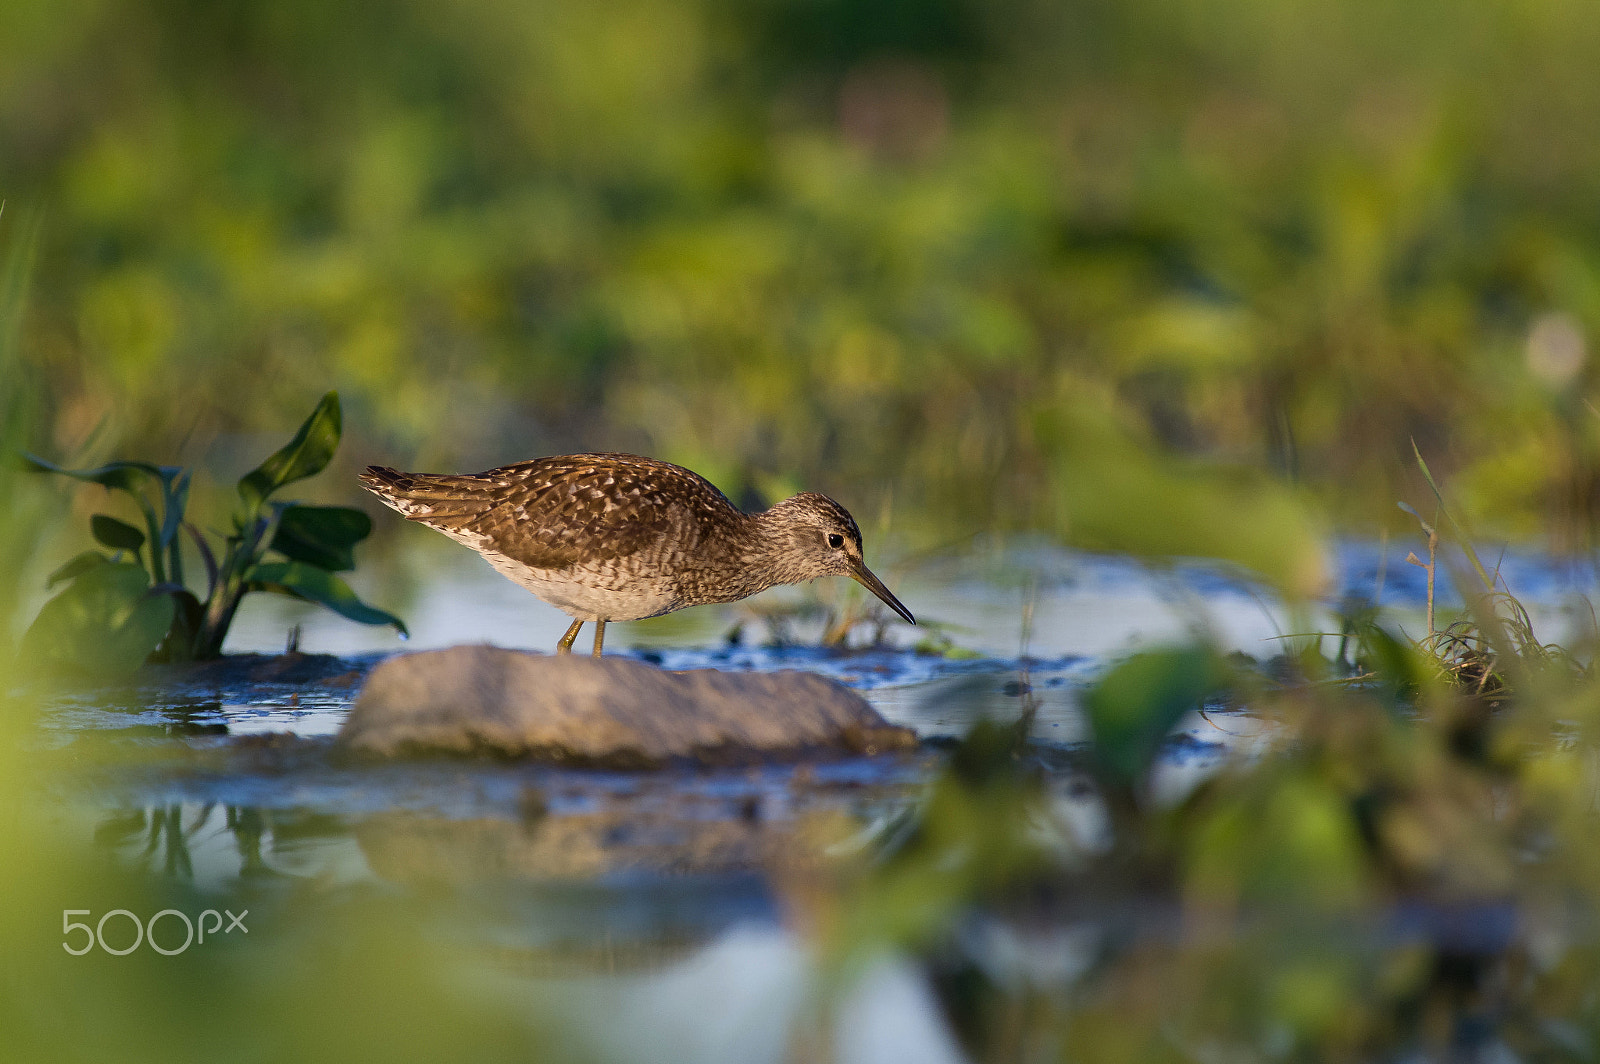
(612, 711)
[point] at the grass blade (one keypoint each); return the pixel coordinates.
(1455, 528)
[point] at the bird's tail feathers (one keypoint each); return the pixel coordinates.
(428, 497)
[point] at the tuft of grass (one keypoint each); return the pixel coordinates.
(1492, 648)
(1484, 653)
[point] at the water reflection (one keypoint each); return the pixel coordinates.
(709, 968)
(673, 896)
(210, 844)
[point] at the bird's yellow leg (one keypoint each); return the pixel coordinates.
(599, 636)
(565, 646)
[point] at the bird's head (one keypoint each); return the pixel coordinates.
(818, 537)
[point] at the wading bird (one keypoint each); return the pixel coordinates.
(616, 537)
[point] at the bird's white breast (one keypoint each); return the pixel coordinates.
(594, 592)
(598, 591)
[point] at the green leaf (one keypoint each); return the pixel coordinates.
(76, 566)
(1138, 702)
(118, 535)
(105, 623)
(317, 585)
(305, 455)
(127, 476)
(324, 536)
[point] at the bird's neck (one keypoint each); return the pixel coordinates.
(781, 557)
(757, 552)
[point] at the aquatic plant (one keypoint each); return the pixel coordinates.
(1492, 646)
(133, 604)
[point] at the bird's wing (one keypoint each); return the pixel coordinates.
(551, 513)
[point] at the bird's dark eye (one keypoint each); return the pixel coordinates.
(835, 540)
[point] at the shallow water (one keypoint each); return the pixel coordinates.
(226, 776)
(1034, 625)
(1001, 600)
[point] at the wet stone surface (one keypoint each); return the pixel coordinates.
(609, 712)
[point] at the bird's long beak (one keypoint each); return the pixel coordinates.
(863, 576)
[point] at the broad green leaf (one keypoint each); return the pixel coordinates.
(105, 623)
(118, 535)
(320, 586)
(1138, 702)
(305, 455)
(76, 566)
(324, 536)
(124, 475)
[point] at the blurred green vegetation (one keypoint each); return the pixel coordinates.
(1169, 276)
(1392, 879)
(1014, 263)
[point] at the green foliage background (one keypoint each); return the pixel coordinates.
(1157, 275)
(959, 250)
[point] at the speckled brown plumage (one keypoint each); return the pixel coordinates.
(617, 537)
